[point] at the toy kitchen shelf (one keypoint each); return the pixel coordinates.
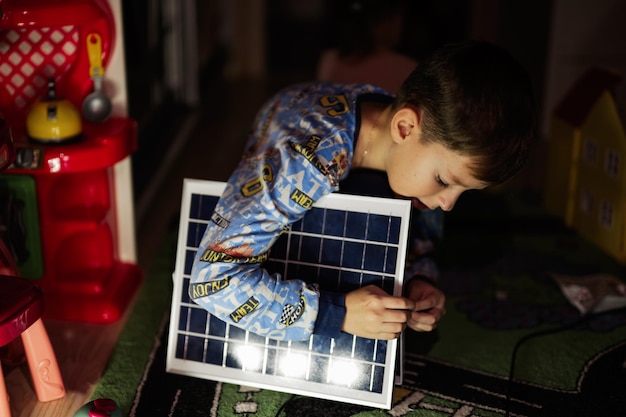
(102, 145)
(63, 217)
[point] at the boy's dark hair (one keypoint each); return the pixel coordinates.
(476, 99)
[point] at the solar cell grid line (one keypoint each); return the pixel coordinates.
(342, 243)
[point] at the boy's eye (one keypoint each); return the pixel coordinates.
(441, 182)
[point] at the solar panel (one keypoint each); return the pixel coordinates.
(342, 243)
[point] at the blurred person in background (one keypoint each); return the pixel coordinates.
(367, 41)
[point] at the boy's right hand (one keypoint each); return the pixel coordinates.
(374, 314)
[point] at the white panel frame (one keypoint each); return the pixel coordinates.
(372, 205)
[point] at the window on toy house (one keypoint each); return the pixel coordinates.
(611, 163)
(590, 151)
(606, 214)
(586, 201)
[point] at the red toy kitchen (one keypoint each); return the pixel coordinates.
(58, 214)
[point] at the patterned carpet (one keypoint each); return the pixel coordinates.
(510, 343)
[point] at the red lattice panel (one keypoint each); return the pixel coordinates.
(32, 56)
(43, 39)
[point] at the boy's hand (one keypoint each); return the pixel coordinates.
(374, 314)
(429, 305)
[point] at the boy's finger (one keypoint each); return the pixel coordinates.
(427, 318)
(397, 316)
(399, 303)
(426, 304)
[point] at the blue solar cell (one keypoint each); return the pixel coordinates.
(202, 206)
(350, 280)
(352, 254)
(307, 273)
(329, 278)
(356, 225)
(198, 320)
(271, 360)
(192, 348)
(309, 250)
(378, 378)
(322, 345)
(318, 369)
(300, 345)
(378, 228)
(344, 345)
(311, 223)
(368, 349)
(236, 334)
(183, 318)
(294, 242)
(184, 296)
(391, 260)
(332, 247)
(189, 257)
(279, 249)
(196, 231)
(374, 258)
(233, 360)
(214, 352)
(217, 328)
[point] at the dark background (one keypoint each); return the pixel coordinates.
(295, 33)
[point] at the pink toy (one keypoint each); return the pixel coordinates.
(21, 307)
(101, 407)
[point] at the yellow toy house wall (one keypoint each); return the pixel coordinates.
(601, 133)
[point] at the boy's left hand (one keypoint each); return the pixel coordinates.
(429, 305)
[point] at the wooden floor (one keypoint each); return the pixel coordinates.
(208, 147)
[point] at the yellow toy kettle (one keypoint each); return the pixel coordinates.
(52, 120)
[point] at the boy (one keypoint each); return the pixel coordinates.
(462, 120)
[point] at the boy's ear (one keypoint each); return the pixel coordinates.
(404, 123)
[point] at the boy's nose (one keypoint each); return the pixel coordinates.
(448, 199)
(447, 205)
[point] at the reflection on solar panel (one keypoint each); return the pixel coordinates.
(342, 243)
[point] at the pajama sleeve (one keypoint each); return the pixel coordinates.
(299, 149)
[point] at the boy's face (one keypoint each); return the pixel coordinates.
(430, 174)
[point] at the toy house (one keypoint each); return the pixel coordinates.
(586, 175)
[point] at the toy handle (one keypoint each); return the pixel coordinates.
(94, 51)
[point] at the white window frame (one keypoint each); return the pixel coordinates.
(606, 214)
(612, 162)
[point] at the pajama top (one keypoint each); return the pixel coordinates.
(300, 148)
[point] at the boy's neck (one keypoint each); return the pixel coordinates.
(370, 144)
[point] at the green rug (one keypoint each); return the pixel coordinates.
(510, 342)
